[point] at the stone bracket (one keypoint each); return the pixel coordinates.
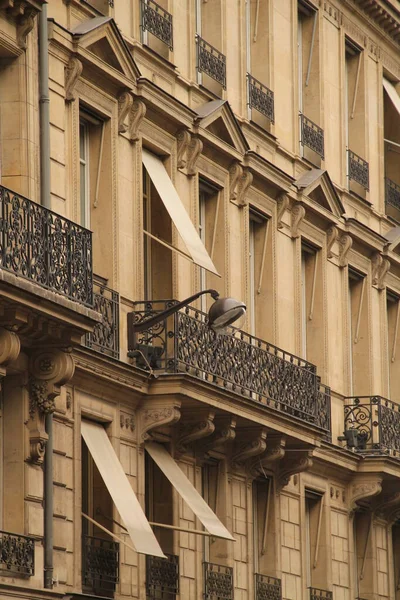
(296, 462)
(364, 488)
(275, 452)
(298, 214)
(240, 179)
(189, 149)
(125, 102)
(72, 73)
(202, 427)
(254, 446)
(154, 417)
(136, 116)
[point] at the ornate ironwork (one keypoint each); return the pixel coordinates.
(312, 135)
(211, 61)
(100, 563)
(156, 20)
(162, 577)
(218, 582)
(316, 594)
(377, 421)
(105, 336)
(44, 247)
(268, 588)
(392, 196)
(237, 362)
(358, 169)
(324, 410)
(261, 98)
(17, 554)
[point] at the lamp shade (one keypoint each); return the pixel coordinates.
(224, 312)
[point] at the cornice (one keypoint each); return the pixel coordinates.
(173, 109)
(267, 170)
(366, 236)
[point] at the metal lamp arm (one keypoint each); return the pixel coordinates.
(139, 327)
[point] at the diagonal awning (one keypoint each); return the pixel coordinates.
(187, 491)
(120, 489)
(176, 210)
(392, 93)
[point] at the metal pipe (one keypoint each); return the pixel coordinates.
(48, 505)
(44, 110)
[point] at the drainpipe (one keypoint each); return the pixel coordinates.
(44, 114)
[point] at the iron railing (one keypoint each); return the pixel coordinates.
(237, 362)
(268, 588)
(17, 554)
(105, 335)
(211, 61)
(261, 98)
(100, 563)
(324, 410)
(392, 193)
(218, 582)
(377, 421)
(358, 169)
(156, 20)
(317, 594)
(44, 247)
(162, 577)
(312, 135)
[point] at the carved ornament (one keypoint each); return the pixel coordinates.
(332, 235)
(283, 204)
(193, 154)
(245, 181)
(235, 173)
(125, 102)
(275, 451)
(193, 432)
(10, 346)
(72, 73)
(183, 140)
(296, 462)
(225, 432)
(136, 116)
(254, 447)
(240, 179)
(376, 262)
(127, 422)
(25, 25)
(363, 489)
(298, 214)
(345, 243)
(151, 419)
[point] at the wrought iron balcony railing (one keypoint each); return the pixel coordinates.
(156, 20)
(392, 193)
(324, 410)
(358, 169)
(211, 61)
(237, 362)
(261, 98)
(268, 588)
(316, 594)
(218, 582)
(17, 554)
(162, 577)
(105, 336)
(377, 422)
(312, 135)
(42, 246)
(100, 564)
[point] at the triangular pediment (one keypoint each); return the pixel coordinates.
(218, 118)
(318, 187)
(101, 37)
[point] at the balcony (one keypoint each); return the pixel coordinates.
(358, 169)
(162, 577)
(316, 594)
(376, 423)
(45, 248)
(157, 21)
(261, 98)
(105, 336)
(268, 588)
(392, 194)
(17, 554)
(238, 362)
(311, 135)
(211, 61)
(100, 565)
(218, 582)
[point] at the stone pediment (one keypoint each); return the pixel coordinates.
(102, 39)
(318, 187)
(218, 118)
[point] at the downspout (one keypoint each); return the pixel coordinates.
(44, 114)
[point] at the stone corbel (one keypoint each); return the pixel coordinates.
(72, 73)
(283, 204)
(225, 432)
(254, 447)
(296, 462)
(201, 428)
(136, 116)
(183, 139)
(298, 214)
(152, 418)
(235, 173)
(193, 154)
(48, 371)
(245, 181)
(125, 102)
(380, 267)
(332, 235)
(345, 243)
(275, 452)
(363, 489)
(10, 346)
(388, 507)
(24, 26)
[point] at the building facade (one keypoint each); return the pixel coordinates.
(151, 151)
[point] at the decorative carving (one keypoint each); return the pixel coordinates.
(239, 182)
(332, 236)
(245, 181)
(72, 73)
(196, 431)
(127, 422)
(125, 102)
(69, 400)
(222, 435)
(389, 507)
(376, 262)
(297, 462)
(183, 139)
(9, 349)
(364, 489)
(152, 419)
(283, 205)
(235, 173)
(254, 447)
(137, 114)
(275, 451)
(25, 25)
(345, 243)
(193, 154)
(298, 214)
(385, 266)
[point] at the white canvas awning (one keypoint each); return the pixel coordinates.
(117, 483)
(187, 491)
(392, 93)
(176, 210)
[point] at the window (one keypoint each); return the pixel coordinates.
(391, 134)
(393, 339)
(157, 26)
(355, 126)
(396, 559)
(264, 527)
(315, 540)
(260, 276)
(312, 298)
(159, 504)
(84, 172)
(358, 328)
(308, 59)
(211, 63)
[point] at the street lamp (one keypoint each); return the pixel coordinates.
(223, 312)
